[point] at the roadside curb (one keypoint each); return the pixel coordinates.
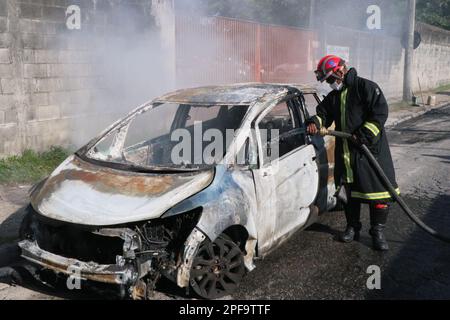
(408, 115)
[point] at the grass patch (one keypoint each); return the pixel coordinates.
(31, 166)
(443, 88)
(399, 106)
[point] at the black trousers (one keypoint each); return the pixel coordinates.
(379, 211)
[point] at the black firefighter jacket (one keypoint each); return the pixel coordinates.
(361, 109)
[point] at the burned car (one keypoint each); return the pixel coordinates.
(135, 204)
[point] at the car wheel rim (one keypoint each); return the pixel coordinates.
(218, 269)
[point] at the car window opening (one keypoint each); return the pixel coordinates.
(147, 140)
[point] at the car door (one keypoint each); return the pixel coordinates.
(287, 178)
(325, 148)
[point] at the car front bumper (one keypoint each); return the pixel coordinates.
(112, 274)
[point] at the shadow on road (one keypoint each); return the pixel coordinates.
(420, 269)
(51, 286)
(9, 228)
(446, 158)
(318, 227)
(411, 132)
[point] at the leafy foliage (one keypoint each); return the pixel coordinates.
(281, 12)
(348, 13)
(434, 12)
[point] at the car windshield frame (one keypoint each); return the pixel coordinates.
(114, 129)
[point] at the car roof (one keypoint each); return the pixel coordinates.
(236, 94)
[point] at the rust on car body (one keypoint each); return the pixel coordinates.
(114, 181)
(84, 193)
(164, 216)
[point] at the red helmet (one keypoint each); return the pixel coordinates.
(328, 66)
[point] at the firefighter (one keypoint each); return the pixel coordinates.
(357, 106)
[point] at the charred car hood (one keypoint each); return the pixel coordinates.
(83, 193)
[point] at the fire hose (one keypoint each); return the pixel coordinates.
(385, 180)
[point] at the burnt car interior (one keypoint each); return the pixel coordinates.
(288, 119)
(311, 102)
(145, 142)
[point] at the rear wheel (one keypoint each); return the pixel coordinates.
(218, 268)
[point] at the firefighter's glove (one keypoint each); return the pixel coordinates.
(357, 141)
(313, 126)
(369, 134)
(314, 120)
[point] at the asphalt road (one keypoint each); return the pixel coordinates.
(312, 265)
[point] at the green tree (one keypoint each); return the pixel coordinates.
(434, 12)
(347, 13)
(282, 12)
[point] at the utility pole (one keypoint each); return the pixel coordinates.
(409, 52)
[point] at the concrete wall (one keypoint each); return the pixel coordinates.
(432, 58)
(50, 75)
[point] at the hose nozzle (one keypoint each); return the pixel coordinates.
(324, 132)
(343, 135)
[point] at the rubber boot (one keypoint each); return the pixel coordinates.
(378, 218)
(353, 215)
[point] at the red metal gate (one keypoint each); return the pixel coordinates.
(221, 50)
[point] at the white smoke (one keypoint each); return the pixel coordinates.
(136, 54)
